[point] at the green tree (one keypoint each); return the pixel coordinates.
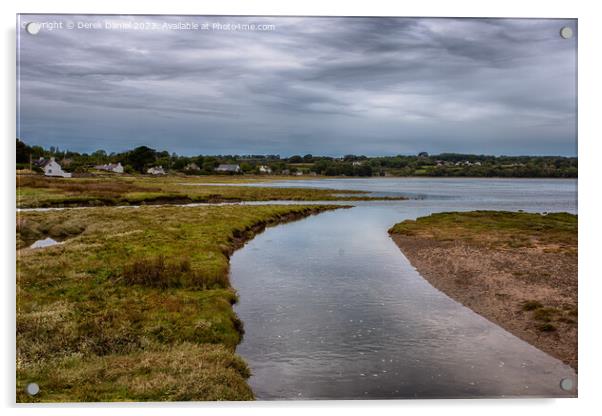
(209, 164)
(246, 167)
(23, 152)
(141, 157)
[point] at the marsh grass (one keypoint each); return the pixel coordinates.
(101, 186)
(555, 232)
(42, 192)
(161, 273)
(135, 304)
(545, 314)
(180, 372)
(531, 305)
(546, 327)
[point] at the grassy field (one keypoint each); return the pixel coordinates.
(517, 269)
(40, 191)
(497, 229)
(135, 303)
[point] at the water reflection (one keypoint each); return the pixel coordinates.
(333, 310)
(47, 242)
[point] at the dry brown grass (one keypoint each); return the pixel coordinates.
(158, 272)
(180, 372)
(42, 192)
(96, 187)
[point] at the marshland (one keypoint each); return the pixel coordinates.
(151, 303)
(135, 304)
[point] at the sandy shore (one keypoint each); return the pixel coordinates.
(530, 290)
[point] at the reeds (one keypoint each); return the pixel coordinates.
(161, 273)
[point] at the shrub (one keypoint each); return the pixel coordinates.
(544, 314)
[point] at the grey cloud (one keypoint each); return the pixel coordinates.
(314, 85)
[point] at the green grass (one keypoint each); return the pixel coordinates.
(135, 304)
(501, 228)
(42, 192)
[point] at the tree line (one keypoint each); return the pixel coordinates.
(441, 165)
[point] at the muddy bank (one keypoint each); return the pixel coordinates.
(525, 284)
(240, 237)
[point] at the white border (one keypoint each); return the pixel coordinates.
(590, 155)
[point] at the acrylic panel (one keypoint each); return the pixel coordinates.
(273, 208)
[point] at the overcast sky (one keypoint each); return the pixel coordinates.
(326, 86)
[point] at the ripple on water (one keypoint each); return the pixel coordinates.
(333, 310)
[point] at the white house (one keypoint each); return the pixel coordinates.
(156, 170)
(192, 167)
(265, 169)
(463, 163)
(225, 168)
(52, 168)
(111, 167)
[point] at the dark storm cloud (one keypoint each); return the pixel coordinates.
(313, 85)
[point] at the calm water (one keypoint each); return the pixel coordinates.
(332, 309)
(47, 242)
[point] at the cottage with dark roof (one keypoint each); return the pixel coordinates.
(111, 167)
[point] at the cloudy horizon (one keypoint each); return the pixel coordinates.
(325, 86)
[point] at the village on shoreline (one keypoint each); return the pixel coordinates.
(146, 161)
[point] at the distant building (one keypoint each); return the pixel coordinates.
(423, 154)
(357, 163)
(156, 170)
(192, 167)
(111, 167)
(463, 163)
(298, 173)
(52, 168)
(265, 169)
(225, 168)
(286, 172)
